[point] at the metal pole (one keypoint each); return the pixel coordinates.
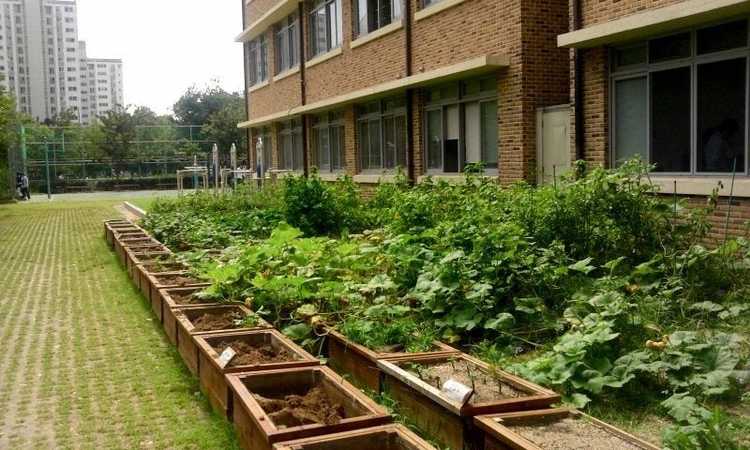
(731, 199)
(46, 163)
(23, 148)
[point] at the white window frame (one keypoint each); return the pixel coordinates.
(286, 40)
(257, 60)
(334, 29)
(395, 15)
(328, 123)
(379, 117)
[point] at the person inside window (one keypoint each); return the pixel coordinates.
(718, 152)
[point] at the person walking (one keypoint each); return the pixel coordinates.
(25, 188)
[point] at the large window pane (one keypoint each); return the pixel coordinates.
(670, 47)
(473, 132)
(324, 160)
(376, 160)
(389, 148)
(364, 144)
(721, 115)
(670, 120)
(630, 56)
(434, 139)
(337, 147)
(489, 134)
(400, 133)
(631, 110)
(722, 37)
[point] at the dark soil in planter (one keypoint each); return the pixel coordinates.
(486, 387)
(569, 433)
(222, 321)
(250, 355)
(160, 266)
(176, 280)
(314, 407)
(188, 298)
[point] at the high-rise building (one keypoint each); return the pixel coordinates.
(45, 67)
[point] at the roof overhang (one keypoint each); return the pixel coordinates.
(475, 66)
(282, 9)
(656, 21)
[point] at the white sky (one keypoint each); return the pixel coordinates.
(166, 45)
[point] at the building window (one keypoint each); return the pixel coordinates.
(287, 43)
(265, 135)
(258, 60)
(461, 125)
(374, 14)
(381, 126)
(328, 141)
(291, 152)
(325, 27)
(680, 102)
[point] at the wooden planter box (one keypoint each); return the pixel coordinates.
(185, 329)
(502, 432)
(211, 373)
(126, 257)
(384, 437)
(447, 421)
(133, 258)
(158, 281)
(171, 303)
(123, 244)
(110, 233)
(257, 430)
(153, 267)
(346, 356)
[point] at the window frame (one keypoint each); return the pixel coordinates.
(327, 123)
(695, 60)
(461, 100)
(379, 117)
(287, 29)
(331, 43)
(392, 19)
(257, 60)
(291, 129)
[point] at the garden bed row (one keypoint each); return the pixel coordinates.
(281, 397)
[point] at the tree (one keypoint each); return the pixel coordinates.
(197, 105)
(221, 126)
(7, 141)
(118, 132)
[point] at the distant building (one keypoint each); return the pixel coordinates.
(45, 67)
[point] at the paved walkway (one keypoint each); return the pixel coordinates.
(83, 365)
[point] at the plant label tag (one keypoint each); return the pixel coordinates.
(226, 356)
(457, 392)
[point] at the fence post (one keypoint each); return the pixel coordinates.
(46, 164)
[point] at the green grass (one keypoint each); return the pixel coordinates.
(84, 362)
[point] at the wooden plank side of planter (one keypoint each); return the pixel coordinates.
(375, 438)
(498, 433)
(127, 253)
(212, 375)
(151, 280)
(184, 331)
(446, 421)
(170, 306)
(257, 431)
(133, 258)
(110, 232)
(346, 356)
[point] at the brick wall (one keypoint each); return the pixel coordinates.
(598, 11)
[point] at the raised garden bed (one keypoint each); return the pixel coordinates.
(415, 383)
(123, 244)
(143, 270)
(281, 405)
(111, 231)
(346, 356)
(134, 258)
(558, 429)
(143, 248)
(384, 437)
(255, 351)
(153, 282)
(179, 298)
(199, 320)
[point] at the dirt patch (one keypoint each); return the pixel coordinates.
(296, 410)
(187, 298)
(222, 321)
(162, 267)
(572, 434)
(487, 387)
(176, 280)
(251, 355)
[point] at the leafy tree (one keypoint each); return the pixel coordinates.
(7, 139)
(118, 132)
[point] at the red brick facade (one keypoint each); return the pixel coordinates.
(523, 30)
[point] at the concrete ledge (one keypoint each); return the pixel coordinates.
(258, 86)
(331, 176)
(648, 23)
(702, 185)
(435, 8)
(282, 9)
(286, 73)
(136, 211)
(324, 57)
(380, 32)
(374, 178)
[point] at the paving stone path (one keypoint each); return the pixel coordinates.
(83, 365)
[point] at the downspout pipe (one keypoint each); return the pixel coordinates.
(580, 140)
(250, 160)
(303, 93)
(410, 140)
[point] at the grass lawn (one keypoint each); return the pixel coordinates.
(84, 364)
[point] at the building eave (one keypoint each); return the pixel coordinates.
(474, 66)
(282, 9)
(655, 21)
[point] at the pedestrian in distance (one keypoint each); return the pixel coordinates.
(25, 188)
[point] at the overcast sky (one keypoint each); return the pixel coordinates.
(166, 45)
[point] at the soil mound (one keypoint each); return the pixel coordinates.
(295, 410)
